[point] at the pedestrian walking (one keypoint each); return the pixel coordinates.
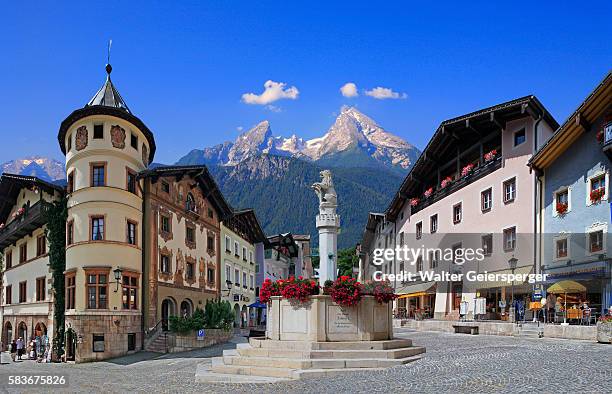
(20, 346)
(13, 349)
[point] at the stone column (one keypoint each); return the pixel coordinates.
(328, 226)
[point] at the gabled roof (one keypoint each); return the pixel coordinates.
(284, 240)
(245, 222)
(577, 123)
(204, 179)
(452, 132)
(106, 101)
(368, 234)
(11, 185)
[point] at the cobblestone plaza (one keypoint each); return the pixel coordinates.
(453, 363)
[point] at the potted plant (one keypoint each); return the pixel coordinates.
(414, 202)
(561, 208)
(428, 192)
(596, 195)
(381, 290)
(269, 289)
(604, 329)
(467, 170)
(490, 156)
(445, 182)
(299, 289)
(345, 291)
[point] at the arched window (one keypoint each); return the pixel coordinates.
(190, 203)
(186, 308)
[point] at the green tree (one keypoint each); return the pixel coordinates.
(347, 259)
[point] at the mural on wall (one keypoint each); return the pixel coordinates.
(118, 136)
(81, 138)
(145, 155)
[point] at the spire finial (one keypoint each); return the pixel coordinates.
(109, 68)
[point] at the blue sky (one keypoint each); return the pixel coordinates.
(183, 68)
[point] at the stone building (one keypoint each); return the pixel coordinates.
(27, 296)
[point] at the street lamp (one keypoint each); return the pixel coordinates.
(228, 284)
(512, 263)
(117, 272)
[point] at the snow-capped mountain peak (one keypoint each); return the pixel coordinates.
(38, 166)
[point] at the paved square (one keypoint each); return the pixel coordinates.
(453, 363)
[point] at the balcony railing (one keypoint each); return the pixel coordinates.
(31, 219)
(459, 183)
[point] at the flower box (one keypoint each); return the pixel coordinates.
(445, 182)
(414, 202)
(428, 192)
(467, 170)
(596, 195)
(561, 208)
(490, 156)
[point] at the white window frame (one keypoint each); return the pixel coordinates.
(236, 248)
(228, 244)
(569, 199)
(228, 275)
(236, 277)
(458, 204)
(503, 193)
(250, 256)
(252, 281)
(603, 227)
(480, 199)
(417, 234)
(431, 229)
(515, 238)
(560, 237)
(597, 174)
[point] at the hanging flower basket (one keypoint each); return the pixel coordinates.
(428, 192)
(414, 202)
(561, 208)
(446, 181)
(490, 156)
(596, 195)
(467, 170)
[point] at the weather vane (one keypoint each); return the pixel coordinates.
(109, 68)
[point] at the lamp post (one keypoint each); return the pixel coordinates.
(512, 263)
(117, 272)
(228, 284)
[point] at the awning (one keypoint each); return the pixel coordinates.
(258, 304)
(526, 270)
(416, 290)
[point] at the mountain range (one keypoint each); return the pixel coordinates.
(273, 174)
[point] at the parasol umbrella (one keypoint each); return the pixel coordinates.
(564, 287)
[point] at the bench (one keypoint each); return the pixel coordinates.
(466, 329)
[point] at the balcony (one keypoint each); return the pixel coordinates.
(30, 220)
(459, 183)
(607, 140)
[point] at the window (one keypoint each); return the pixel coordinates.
(250, 257)
(244, 280)
(236, 249)
(70, 233)
(433, 260)
(211, 214)
(41, 245)
(236, 277)
(210, 276)
(98, 343)
(8, 257)
(401, 238)
(134, 141)
(519, 137)
(131, 232)
(23, 252)
(419, 264)
(98, 132)
(252, 282)
(419, 230)
(189, 271)
(228, 244)
(597, 190)
(486, 200)
(165, 186)
(70, 182)
(22, 292)
(244, 253)
(8, 295)
(97, 228)
(131, 181)
(131, 341)
(509, 190)
(98, 174)
(457, 213)
(228, 272)
(69, 143)
(40, 288)
(509, 238)
(433, 223)
(487, 244)
(561, 202)
(561, 248)
(164, 264)
(210, 243)
(165, 224)
(70, 290)
(190, 234)
(129, 292)
(97, 289)
(596, 241)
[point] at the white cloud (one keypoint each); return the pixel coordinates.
(239, 128)
(349, 89)
(381, 93)
(273, 91)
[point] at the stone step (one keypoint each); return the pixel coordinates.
(353, 345)
(317, 363)
(286, 373)
(330, 354)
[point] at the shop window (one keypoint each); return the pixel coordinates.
(98, 343)
(97, 289)
(509, 190)
(129, 292)
(509, 239)
(486, 200)
(457, 213)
